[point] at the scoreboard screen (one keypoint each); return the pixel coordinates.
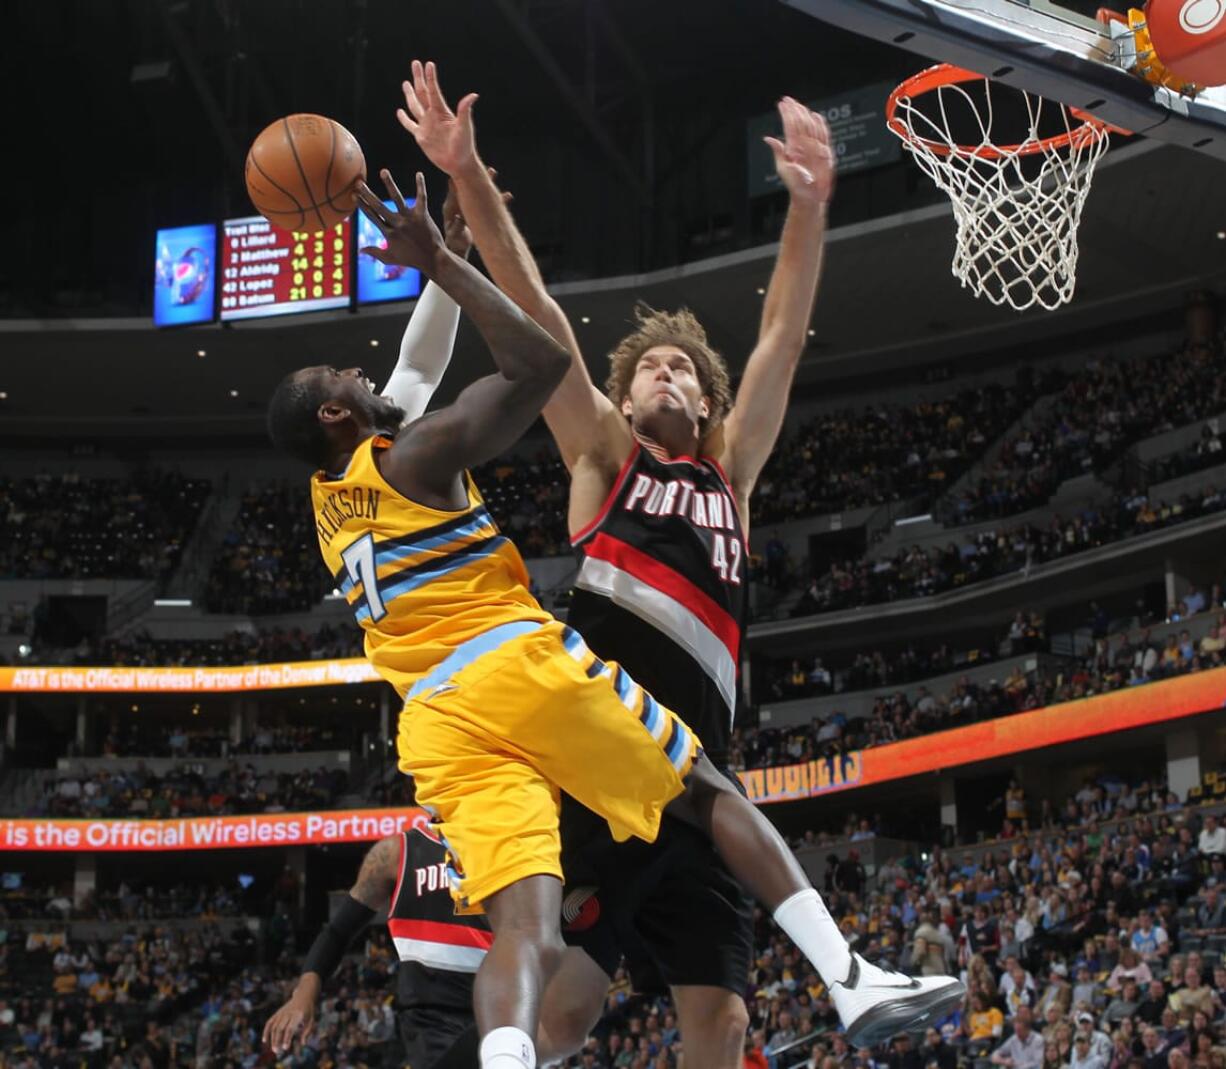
(377, 281)
(183, 275)
(267, 271)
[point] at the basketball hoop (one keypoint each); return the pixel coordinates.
(1016, 206)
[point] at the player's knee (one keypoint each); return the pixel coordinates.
(566, 1022)
(703, 786)
(732, 1021)
(720, 1040)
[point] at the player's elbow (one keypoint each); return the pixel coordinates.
(551, 365)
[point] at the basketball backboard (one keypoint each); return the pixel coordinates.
(1042, 48)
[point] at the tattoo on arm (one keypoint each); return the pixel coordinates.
(377, 876)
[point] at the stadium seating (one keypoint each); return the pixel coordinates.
(74, 527)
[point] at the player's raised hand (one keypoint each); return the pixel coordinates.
(805, 157)
(445, 136)
(412, 238)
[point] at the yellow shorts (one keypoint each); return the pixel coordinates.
(511, 718)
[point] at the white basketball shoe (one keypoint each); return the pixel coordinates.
(877, 1003)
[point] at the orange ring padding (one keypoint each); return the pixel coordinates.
(944, 74)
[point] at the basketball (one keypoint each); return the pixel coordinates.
(301, 172)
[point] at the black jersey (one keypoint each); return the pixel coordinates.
(667, 550)
(439, 952)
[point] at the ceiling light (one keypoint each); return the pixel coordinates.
(761, 291)
(201, 352)
(585, 319)
(1221, 235)
(233, 393)
(4, 395)
(374, 343)
(812, 333)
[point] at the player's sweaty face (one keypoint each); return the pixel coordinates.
(665, 381)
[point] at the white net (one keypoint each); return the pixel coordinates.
(1017, 206)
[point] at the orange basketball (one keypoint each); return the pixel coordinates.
(301, 170)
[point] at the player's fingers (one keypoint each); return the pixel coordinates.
(375, 253)
(785, 116)
(821, 127)
(791, 121)
(416, 108)
(419, 81)
(507, 196)
(433, 89)
(492, 172)
(777, 150)
(464, 109)
(402, 117)
(375, 208)
(393, 189)
(421, 204)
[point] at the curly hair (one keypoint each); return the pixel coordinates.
(683, 330)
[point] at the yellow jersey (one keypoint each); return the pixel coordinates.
(421, 581)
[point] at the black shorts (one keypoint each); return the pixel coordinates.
(670, 907)
(438, 1039)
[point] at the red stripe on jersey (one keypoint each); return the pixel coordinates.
(618, 483)
(655, 574)
(404, 858)
(456, 935)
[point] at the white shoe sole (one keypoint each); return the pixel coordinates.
(907, 1013)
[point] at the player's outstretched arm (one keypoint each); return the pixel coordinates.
(582, 420)
(429, 337)
(806, 163)
(372, 890)
(495, 411)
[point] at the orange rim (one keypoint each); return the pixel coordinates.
(944, 74)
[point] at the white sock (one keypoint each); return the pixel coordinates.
(807, 922)
(507, 1048)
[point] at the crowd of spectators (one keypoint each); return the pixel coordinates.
(848, 459)
(269, 560)
(115, 1002)
(1105, 407)
(75, 527)
(1098, 929)
(187, 791)
(131, 900)
(1206, 453)
(1096, 925)
(917, 572)
(261, 646)
(527, 498)
(141, 737)
(1127, 660)
(866, 670)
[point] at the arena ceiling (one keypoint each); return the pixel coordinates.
(619, 126)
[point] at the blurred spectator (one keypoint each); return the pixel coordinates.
(139, 648)
(132, 528)
(1106, 406)
(847, 459)
(269, 560)
(186, 791)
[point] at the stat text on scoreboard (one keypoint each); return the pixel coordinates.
(267, 271)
